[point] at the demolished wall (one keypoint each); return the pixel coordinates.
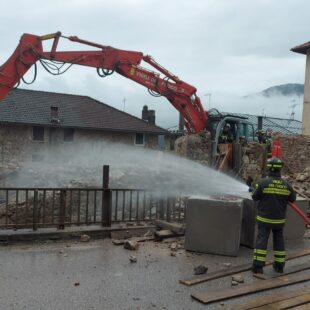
(196, 147)
(296, 157)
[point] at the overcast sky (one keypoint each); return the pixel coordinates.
(224, 48)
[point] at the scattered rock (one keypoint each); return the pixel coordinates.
(173, 246)
(61, 252)
(227, 265)
(118, 242)
(200, 270)
(131, 245)
(136, 298)
(148, 234)
(85, 238)
(238, 278)
(132, 259)
(234, 283)
(65, 255)
(222, 304)
(173, 254)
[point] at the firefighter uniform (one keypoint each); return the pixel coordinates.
(272, 194)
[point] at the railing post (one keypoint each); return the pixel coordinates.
(106, 210)
(35, 210)
(62, 210)
(168, 209)
(161, 209)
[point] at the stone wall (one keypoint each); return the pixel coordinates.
(296, 152)
(196, 147)
(253, 163)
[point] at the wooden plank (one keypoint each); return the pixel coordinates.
(288, 303)
(267, 300)
(288, 270)
(302, 307)
(216, 274)
(233, 270)
(219, 295)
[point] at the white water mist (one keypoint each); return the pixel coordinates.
(130, 167)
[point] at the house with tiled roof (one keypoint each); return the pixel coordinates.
(33, 121)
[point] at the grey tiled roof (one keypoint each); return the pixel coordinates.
(31, 107)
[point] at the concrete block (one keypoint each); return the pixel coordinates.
(294, 228)
(213, 225)
(248, 231)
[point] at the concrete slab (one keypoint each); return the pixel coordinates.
(294, 227)
(213, 225)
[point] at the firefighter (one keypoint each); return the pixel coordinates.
(261, 137)
(272, 193)
(226, 136)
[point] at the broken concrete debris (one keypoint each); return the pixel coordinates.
(131, 245)
(85, 238)
(118, 242)
(200, 270)
(238, 278)
(226, 265)
(174, 246)
(133, 259)
(162, 234)
(176, 228)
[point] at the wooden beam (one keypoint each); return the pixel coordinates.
(289, 303)
(219, 295)
(267, 300)
(233, 270)
(288, 270)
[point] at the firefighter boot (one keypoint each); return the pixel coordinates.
(278, 268)
(257, 269)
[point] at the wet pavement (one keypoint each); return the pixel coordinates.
(98, 275)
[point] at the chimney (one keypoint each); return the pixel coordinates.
(148, 115)
(55, 114)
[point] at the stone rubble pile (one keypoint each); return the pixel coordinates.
(196, 147)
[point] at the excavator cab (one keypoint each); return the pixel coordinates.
(229, 133)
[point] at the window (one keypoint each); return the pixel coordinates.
(68, 134)
(38, 133)
(139, 139)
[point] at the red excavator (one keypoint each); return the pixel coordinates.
(108, 60)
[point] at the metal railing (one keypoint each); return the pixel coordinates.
(61, 207)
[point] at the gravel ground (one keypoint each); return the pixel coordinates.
(99, 275)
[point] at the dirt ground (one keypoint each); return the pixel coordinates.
(99, 275)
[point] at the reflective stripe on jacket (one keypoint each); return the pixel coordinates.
(273, 194)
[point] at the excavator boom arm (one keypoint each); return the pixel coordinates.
(108, 59)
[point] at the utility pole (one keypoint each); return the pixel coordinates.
(209, 99)
(292, 115)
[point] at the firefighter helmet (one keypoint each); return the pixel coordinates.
(274, 164)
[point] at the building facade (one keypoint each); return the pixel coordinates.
(33, 122)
